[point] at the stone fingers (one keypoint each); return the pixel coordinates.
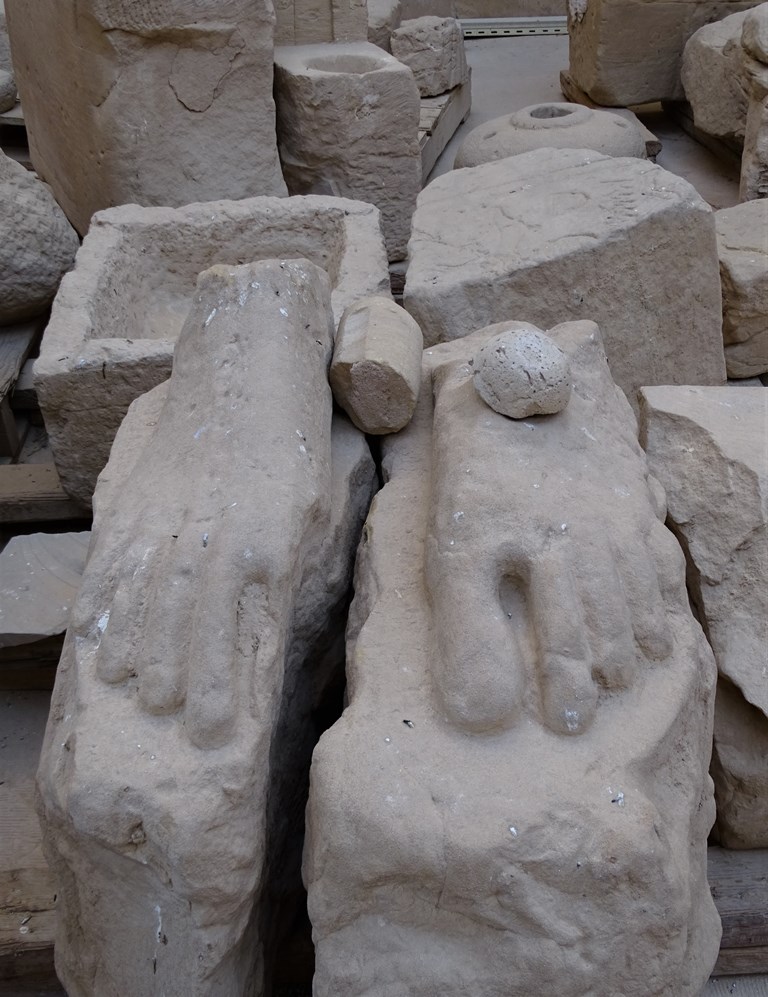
(565, 663)
(124, 615)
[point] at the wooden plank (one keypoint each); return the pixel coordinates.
(27, 891)
(680, 112)
(455, 110)
(739, 884)
(15, 116)
(16, 344)
(33, 493)
(576, 95)
(10, 438)
(738, 962)
(24, 394)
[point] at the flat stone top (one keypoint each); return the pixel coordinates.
(735, 417)
(744, 227)
(336, 58)
(535, 207)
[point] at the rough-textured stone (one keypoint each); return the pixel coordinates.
(136, 101)
(742, 244)
(7, 90)
(712, 80)
(39, 579)
(37, 243)
(348, 123)
(5, 45)
(709, 448)
(312, 22)
(204, 632)
(557, 234)
(551, 126)
(516, 799)
(383, 17)
(433, 49)
(117, 315)
(521, 372)
(623, 52)
(376, 368)
(754, 159)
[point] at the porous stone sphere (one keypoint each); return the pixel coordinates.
(521, 373)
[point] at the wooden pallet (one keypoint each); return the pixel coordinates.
(17, 342)
(739, 884)
(439, 119)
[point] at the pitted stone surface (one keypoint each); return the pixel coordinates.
(7, 91)
(348, 125)
(552, 126)
(522, 372)
(570, 233)
(433, 49)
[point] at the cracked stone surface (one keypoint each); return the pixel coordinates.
(147, 101)
(530, 709)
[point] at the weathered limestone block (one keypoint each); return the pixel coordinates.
(118, 314)
(348, 122)
(39, 580)
(37, 243)
(530, 705)
(742, 244)
(712, 78)
(754, 160)
(564, 233)
(383, 17)
(376, 369)
(312, 22)
(709, 449)
(624, 52)
(551, 126)
(204, 633)
(433, 49)
(146, 102)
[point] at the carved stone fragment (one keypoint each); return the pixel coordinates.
(203, 637)
(433, 49)
(530, 705)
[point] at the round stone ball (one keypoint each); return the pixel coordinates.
(7, 91)
(521, 373)
(554, 126)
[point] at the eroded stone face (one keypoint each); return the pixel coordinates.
(624, 53)
(709, 448)
(153, 102)
(348, 123)
(742, 245)
(311, 22)
(570, 233)
(37, 244)
(118, 314)
(529, 712)
(433, 49)
(204, 635)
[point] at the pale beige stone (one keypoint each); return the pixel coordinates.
(742, 244)
(39, 579)
(8, 92)
(555, 125)
(118, 314)
(383, 17)
(623, 52)
(312, 22)
(570, 233)
(521, 372)
(37, 243)
(712, 78)
(433, 49)
(376, 370)
(348, 124)
(754, 159)
(204, 635)
(709, 448)
(516, 799)
(153, 103)
(754, 33)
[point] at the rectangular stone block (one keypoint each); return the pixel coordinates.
(118, 313)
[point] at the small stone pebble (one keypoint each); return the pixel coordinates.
(522, 373)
